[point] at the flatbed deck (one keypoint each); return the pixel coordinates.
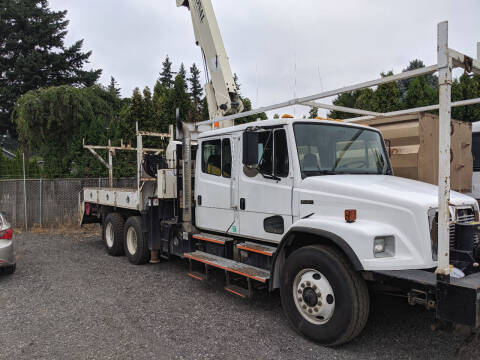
(126, 198)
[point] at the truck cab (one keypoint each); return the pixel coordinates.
(268, 179)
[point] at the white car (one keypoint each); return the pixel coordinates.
(7, 250)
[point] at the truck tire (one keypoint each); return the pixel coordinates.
(322, 296)
(113, 234)
(136, 247)
(8, 270)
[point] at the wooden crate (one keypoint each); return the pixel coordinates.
(413, 142)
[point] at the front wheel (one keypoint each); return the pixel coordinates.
(322, 296)
(136, 247)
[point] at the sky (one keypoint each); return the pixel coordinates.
(280, 49)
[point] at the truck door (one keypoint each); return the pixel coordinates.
(265, 196)
(213, 185)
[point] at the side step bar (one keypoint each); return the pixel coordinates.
(257, 248)
(220, 240)
(228, 265)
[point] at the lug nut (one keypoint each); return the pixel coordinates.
(308, 283)
(300, 299)
(310, 311)
(304, 306)
(314, 287)
(316, 309)
(302, 285)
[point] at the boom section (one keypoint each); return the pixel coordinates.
(221, 90)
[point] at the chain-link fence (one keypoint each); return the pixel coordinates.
(45, 202)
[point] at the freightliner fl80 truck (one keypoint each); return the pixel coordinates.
(309, 207)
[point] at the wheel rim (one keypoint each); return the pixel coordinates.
(313, 296)
(131, 240)
(109, 235)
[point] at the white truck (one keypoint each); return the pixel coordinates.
(309, 207)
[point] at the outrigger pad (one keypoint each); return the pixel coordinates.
(458, 301)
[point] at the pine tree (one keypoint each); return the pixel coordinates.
(403, 85)
(235, 79)
(33, 53)
(180, 100)
(196, 90)
(113, 87)
(276, 116)
(166, 76)
(183, 73)
(136, 109)
(420, 93)
(247, 106)
(148, 121)
(313, 113)
(387, 97)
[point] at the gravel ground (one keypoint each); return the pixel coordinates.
(69, 299)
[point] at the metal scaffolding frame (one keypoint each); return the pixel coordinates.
(447, 60)
(139, 149)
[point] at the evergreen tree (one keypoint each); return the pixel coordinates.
(313, 113)
(148, 119)
(387, 97)
(196, 90)
(235, 79)
(403, 85)
(180, 100)
(466, 88)
(166, 75)
(33, 53)
(420, 93)
(183, 73)
(113, 87)
(347, 99)
(247, 106)
(276, 116)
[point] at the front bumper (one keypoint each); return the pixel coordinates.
(7, 253)
(454, 300)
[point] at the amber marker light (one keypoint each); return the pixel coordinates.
(350, 215)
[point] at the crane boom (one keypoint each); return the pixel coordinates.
(221, 91)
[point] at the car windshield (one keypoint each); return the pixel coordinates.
(329, 149)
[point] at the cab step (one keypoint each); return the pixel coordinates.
(238, 291)
(196, 275)
(216, 239)
(256, 248)
(248, 271)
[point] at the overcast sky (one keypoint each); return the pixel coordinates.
(329, 43)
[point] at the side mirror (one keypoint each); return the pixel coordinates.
(250, 148)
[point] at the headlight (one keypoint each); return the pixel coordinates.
(384, 246)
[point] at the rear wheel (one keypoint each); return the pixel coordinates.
(135, 244)
(322, 296)
(113, 234)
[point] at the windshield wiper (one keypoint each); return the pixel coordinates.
(321, 172)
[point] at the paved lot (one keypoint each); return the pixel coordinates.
(69, 299)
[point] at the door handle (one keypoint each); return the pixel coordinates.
(242, 203)
(199, 200)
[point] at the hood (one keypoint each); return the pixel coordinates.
(396, 190)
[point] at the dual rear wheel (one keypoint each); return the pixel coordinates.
(125, 238)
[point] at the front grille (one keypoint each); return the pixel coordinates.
(465, 215)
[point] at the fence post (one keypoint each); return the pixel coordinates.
(41, 202)
(24, 191)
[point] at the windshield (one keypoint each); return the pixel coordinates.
(328, 149)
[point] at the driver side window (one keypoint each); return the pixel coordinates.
(273, 153)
